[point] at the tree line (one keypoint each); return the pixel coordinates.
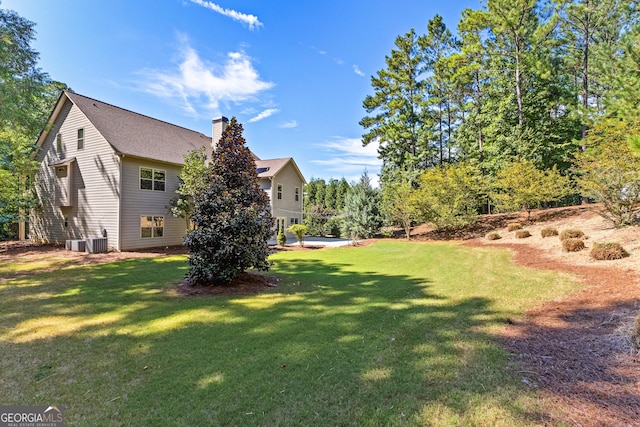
(509, 113)
(27, 96)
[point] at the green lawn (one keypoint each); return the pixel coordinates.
(394, 333)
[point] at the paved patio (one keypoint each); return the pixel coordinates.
(329, 242)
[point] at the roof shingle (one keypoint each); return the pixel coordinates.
(134, 134)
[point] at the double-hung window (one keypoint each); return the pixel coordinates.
(152, 179)
(59, 144)
(279, 191)
(151, 226)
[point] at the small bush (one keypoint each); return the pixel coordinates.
(514, 226)
(572, 244)
(548, 232)
(299, 230)
(281, 239)
(608, 251)
(332, 227)
(493, 236)
(522, 234)
(386, 232)
(571, 234)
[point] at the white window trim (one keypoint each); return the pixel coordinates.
(79, 140)
(279, 191)
(296, 194)
(152, 227)
(153, 172)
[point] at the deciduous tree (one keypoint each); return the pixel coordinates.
(449, 197)
(399, 203)
(609, 171)
(193, 181)
(27, 96)
(521, 185)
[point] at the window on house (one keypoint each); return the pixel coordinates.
(151, 226)
(279, 191)
(293, 221)
(59, 144)
(152, 179)
(297, 194)
(81, 139)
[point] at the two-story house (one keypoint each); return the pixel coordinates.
(108, 171)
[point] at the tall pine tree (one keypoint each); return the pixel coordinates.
(398, 110)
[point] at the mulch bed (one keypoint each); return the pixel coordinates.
(246, 283)
(577, 351)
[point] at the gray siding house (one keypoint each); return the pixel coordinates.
(105, 170)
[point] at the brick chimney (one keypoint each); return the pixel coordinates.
(219, 125)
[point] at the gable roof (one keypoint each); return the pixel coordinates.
(270, 167)
(137, 135)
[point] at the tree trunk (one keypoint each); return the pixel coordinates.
(585, 72)
(518, 82)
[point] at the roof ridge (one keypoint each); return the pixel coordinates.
(133, 112)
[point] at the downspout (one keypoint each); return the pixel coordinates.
(119, 221)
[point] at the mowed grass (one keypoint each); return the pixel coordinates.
(390, 334)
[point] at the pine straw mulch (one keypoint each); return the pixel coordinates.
(246, 283)
(577, 351)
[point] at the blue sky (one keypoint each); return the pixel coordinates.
(294, 73)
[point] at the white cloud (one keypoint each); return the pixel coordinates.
(251, 20)
(263, 115)
(199, 84)
(349, 158)
(289, 125)
(357, 70)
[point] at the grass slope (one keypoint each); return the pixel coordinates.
(390, 334)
